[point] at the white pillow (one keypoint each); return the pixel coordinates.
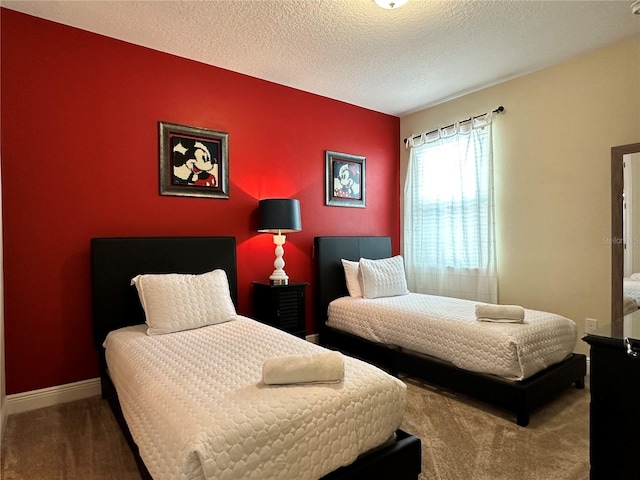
(173, 302)
(383, 278)
(352, 277)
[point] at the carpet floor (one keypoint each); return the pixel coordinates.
(461, 439)
(466, 439)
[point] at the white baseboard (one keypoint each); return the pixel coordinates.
(46, 397)
(313, 338)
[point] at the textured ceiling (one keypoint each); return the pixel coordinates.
(392, 61)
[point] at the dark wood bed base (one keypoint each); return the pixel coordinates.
(520, 397)
(115, 304)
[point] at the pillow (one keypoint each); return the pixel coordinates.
(352, 277)
(383, 278)
(173, 302)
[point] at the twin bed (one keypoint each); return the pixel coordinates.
(631, 293)
(186, 387)
(515, 366)
(187, 390)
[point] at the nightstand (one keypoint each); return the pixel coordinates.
(281, 306)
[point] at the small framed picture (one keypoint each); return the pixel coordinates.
(344, 180)
(194, 162)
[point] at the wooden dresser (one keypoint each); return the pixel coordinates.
(615, 400)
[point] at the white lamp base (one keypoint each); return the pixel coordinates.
(279, 280)
(279, 277)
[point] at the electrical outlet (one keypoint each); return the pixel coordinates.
(590, 325)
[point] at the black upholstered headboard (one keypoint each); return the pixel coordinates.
(329, 273)
(115, 261)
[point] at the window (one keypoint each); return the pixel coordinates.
(449, 245)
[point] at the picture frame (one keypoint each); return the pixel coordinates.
(345, 180)
(194, 161)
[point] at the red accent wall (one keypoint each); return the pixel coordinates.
(79, 158)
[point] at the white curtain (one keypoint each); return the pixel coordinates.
(449, 228)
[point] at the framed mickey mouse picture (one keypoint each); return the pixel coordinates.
(344, 180)
(194, 162)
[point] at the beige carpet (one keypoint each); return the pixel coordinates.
(73, 441)
(461, 439)
(466, 439)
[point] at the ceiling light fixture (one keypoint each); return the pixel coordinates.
(392, 4)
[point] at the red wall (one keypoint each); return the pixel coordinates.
(80, 119)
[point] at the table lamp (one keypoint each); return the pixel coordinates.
(278, 216)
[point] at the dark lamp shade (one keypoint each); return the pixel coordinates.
(279, 215)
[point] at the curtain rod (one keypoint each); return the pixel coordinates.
(498, 110)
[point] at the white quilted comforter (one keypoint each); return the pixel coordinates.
(631, 288)
(197, 408)
(447, 328)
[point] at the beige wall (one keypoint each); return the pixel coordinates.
(552, 151)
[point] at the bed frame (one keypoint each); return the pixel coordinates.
(115, 304)
(520, 397)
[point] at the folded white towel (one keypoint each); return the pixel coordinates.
(635, 276)
(318, 368)
(499, 313)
